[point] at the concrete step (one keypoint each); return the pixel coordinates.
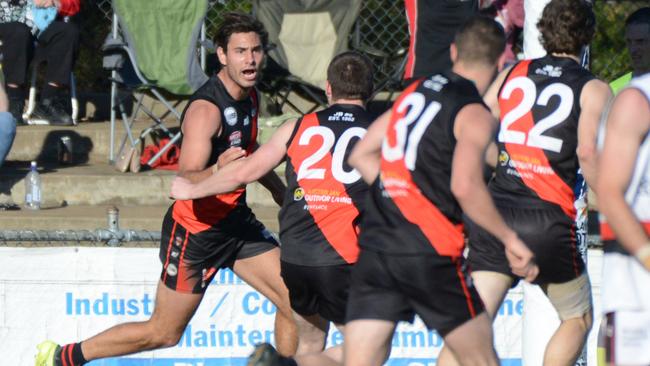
(92, 217)
(99, 184)
(91, 140)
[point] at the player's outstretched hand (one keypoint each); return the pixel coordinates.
(229, 156)
(181, 189)
(521, 259)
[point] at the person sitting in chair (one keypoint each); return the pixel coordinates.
(54, 40)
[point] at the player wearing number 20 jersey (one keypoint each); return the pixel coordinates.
(321, 211)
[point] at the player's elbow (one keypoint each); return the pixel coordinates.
(355, 159)
(586, 154)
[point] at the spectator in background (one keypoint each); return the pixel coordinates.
(57, 43)
(510, 14)
(432, 26)
(7, 126)
(637, 38)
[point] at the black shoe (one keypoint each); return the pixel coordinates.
(16, 107)
(264, 355)
(53, 111)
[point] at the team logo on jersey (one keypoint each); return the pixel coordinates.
(550, 70)
(172, 270)
(235, 138)
(504, 158)
(231, 116)
(298, 194)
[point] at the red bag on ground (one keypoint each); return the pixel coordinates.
(167, 161)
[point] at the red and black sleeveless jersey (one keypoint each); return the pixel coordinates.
(411, 209)
(238, 128)
(321, 211)
(538, 134)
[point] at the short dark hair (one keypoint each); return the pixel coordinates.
(640, 16)
(350, 75)
(480, 40)
(566, 26)
(236, 22)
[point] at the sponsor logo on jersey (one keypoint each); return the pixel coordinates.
(503, 158)
(298, 194)
(435, 83)
(235, 138)
(178, 241)
(231, 116)
(550, 70)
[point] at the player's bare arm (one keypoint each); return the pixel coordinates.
(473, 129)
(271, 181)
(627, 125)
(491, 96)
(594, 98)
(366, 155)
(202, 121)
(240, 172)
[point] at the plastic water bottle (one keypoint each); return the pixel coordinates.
(33, 188)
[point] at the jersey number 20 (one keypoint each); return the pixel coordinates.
(307, 172)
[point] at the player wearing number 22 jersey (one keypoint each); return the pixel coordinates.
(537, 167)
(549, 109)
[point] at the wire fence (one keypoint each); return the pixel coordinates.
(382, 26)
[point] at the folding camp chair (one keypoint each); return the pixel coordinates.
(307, 35)
(152, 48)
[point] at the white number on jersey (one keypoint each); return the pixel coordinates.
(402, 149)
(536, 136)
(305, 171)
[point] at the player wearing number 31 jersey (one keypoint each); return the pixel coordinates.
(322, 207)
(549, 110)
(425, 161)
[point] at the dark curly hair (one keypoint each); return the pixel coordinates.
(566, 26)
(235, 22)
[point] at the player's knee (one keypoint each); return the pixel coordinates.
(582, 322)
(168, 338)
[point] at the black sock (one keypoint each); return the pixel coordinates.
(49, 91)
(72, 355)
(17, 93)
